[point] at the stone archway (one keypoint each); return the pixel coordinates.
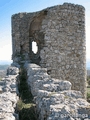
(35, 35)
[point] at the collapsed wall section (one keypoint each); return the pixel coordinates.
(54, 98)
(59, 32)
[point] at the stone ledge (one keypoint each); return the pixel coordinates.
(53, 103)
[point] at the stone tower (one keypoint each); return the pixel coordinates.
(59, 33)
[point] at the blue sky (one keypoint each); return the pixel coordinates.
(10, 7)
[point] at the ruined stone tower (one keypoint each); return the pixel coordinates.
(59, 32)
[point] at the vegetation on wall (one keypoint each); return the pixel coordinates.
(25, 105)
(88, 88)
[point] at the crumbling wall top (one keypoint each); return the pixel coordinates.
(64, 5)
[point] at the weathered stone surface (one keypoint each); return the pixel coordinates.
(54, 98)
(8, 95)
(15, 64)
(38, 78)
(12, 71)
(59, 32)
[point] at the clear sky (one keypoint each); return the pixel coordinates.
(10, 7)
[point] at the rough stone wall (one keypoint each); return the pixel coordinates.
(54, 98)
(9, 95)
(59, 32)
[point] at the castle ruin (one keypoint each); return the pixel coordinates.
(59, 33)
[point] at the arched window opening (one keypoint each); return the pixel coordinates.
(36, 38)
(34, 47)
